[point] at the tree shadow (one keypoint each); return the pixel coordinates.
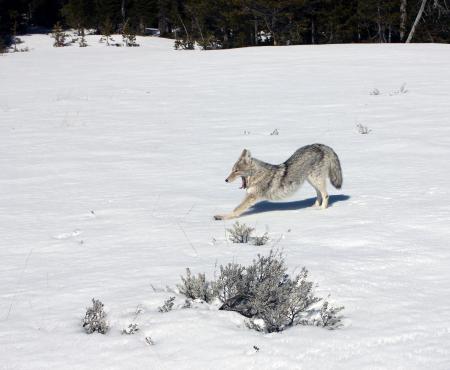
(267, 206)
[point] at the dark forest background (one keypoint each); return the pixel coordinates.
(238, 23)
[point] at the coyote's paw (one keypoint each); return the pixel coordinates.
(222, 217)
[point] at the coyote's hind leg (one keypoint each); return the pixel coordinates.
(319, 184)
(318, 201)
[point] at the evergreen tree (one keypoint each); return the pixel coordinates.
(237, 23)
(128, 35)
(2, 46)
(106, 30)
(14, 35)
(59, 35)
(142, 14)
(82, 41)
(12, 20)
(108, 11)
(79, 14)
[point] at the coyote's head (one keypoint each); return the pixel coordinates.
(242, 168)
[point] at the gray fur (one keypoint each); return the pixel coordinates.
(312, 163)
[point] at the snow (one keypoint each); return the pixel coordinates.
(113, 163)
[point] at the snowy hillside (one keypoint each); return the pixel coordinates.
(113, 163)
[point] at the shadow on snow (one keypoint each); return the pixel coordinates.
(267, 206)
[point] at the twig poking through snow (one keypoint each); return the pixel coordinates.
(274, 132)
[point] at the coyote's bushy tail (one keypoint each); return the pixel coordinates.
(335, 170)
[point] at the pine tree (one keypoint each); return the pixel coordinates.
(59, 35)
(106, 30)
(238, 23)
(108, 11)
(2, 45)
(14, 35)
(128, 35)
(82, 41)
(80, 14)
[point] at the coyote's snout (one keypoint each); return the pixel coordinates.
(313, 163)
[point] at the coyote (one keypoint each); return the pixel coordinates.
(313, 163)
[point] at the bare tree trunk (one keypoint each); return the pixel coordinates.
(275, 36)
(256, 31)
(224, 33)
(200, 30)
(122, 10)
(313, 31)
(403, 4)
(381, 36)
(416, 22)
(184, 26)
(162, 19)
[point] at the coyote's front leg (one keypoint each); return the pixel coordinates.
(246, 203)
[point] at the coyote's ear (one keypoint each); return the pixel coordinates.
(246, 155)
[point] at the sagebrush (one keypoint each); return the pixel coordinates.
(261, 240)
(266, 294)
(131, 329)
(196, 287)
(168, 305)
(363, 130)
(240, 233)
(95, 318)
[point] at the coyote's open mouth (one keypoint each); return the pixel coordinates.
(244, 183)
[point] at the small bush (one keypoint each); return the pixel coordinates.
(269, 297)
(82, 42)
(196, 287)
(261, 240)
(167, 306)
(95, 318)
(106, 30)
(59, 35)
(187, 304)
(375, 92)
(184, 44)
(329, 316)
(209, 43)
(400, 91)
(275, 132)
(128, 35)
(132, 329)
(363, 130)
(149, 341)
(240, 233)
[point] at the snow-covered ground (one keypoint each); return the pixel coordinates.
(113, 163)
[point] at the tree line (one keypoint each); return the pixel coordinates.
(239, 23)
